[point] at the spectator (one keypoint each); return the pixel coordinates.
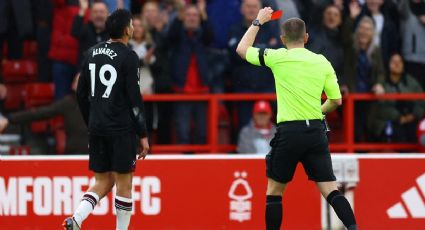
(413, 32)
(156, 23)
(117, 4)
(43, 18)
(396, 121)
(386, 34)
(75, 128)
(363, 69)
(93, 32)
(160, 69)
(291, 9)
(327, 38)
(64, 47)
(256, 136)
(16, 23)
(188, 38)
(142, 44)
(248, 78)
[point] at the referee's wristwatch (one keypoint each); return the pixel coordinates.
(256, 22)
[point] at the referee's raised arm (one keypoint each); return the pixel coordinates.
(264, 15)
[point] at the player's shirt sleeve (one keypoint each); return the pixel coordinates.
(82, 94)
(262, 57)
(331, 83)
(131, 72)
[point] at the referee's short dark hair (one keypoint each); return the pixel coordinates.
(294, 30)
(117, 22)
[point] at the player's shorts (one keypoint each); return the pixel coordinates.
(113, 153)
(300, 141)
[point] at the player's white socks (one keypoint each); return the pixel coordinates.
(86, 206)
(124, 207)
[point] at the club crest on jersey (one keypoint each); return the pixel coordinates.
(106, 51)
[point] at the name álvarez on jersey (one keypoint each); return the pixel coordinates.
(108, 91)
(106, 51)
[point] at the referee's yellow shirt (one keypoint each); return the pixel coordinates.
(300, 77)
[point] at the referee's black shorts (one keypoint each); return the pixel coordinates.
(300, 141)
(113, 153)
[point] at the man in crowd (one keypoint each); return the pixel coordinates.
(247, 78)
(188, 37)
(93, 32)
(256, 136)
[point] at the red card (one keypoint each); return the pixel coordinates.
(277, 14)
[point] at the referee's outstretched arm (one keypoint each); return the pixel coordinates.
(248, 39)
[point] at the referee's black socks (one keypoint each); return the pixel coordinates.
(342, 209)
(273, 212)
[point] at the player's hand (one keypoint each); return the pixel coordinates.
(3, 124)
(143, 149)
(264, 15)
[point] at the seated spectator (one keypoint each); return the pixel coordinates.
(189, 37)
(327, 38)
(256, 136)
(247, 78)
(396, 121)
(386, 33)
(363, 70)
(93, 32)
(64, 47)
(75, 128)
(413, 34)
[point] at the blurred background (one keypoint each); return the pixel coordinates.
(200, 96)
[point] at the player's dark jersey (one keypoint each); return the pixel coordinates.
(108, 91)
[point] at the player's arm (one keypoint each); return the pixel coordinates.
(332, 91)
(135, 98)
(264, 15)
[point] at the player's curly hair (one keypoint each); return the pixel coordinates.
(117, 22)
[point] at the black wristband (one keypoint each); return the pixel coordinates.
(261, 56)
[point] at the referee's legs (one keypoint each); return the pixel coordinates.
(339, 203)
(274, 204)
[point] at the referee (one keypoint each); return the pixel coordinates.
(300, 77)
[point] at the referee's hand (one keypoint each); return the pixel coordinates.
(143, 148)
(264, 15)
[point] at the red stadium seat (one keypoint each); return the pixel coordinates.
(40, 126)
(15, 96)
(19, 150)
(56, 123)
(60, 137)
(30, 50)
(44, 126)
(37, 94)
(15, 71)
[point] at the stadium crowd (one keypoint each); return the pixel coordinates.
(188, 47)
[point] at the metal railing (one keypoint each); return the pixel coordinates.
(348, 145)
